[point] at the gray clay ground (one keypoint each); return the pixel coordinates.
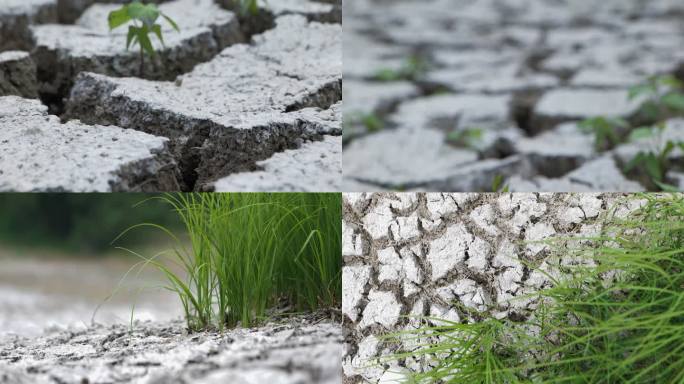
(522, 71)
(416, 254)
(46, 334)
(232, 102)
(294, 351)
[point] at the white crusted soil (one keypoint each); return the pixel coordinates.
(280, 91)
(522, 73)
(39, 154)
(301, 350)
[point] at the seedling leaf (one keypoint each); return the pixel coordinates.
(118, 18)
(641, 133)
(674, 101)
(157, 31)
(171, 22)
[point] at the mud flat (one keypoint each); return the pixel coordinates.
(253, 102)
(522, 74)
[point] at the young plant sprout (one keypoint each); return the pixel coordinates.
(607, 131)
(144, 18)
(654, 161)
(664, 97)
(467, 138)
(412, 68)
(248, 7)
(498, 184)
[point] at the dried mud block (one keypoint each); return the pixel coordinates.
(40, 154)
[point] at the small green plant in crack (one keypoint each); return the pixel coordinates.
(246, 7)
(664, 97)
(370, 120)
(144, 18)
(414, 67)
(655, 162)
(617, 318)
(467, 138)
(498, 184)
(608, 132)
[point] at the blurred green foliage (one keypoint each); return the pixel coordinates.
(77, 222)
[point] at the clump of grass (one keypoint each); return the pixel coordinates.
(618, 320)
(249, 252)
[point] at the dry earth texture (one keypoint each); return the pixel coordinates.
(415, 254)
(303, 350)
(517, 74)
(231, 102)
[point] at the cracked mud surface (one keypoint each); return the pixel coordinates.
(301, 350)
(416, 254)
(252, 99)
(522, 72)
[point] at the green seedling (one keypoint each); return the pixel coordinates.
(498, 184)
(655, 162)
(664, 97)
(411, 69)
(371, 121)
(246, 7)
(144, 22)
(607, 131)
(249, 253)
(467, 138)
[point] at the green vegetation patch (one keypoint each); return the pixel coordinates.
(252, 252)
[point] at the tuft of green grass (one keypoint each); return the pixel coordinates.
(619, 319)
(250, 252)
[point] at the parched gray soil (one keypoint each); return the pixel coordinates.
(299, 350)
(231, 102)
(447, 255)
(46, 333)
(520, 73)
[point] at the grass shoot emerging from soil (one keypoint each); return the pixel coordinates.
(251, 252)
(617, 317)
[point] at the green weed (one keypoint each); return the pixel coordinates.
(618, 321)
(144, 18)
(246, 7)
(498, 184)
(467, 138)
(664, 97)
(607, 131)
(655, 161)
(414, 67)
(250, 252)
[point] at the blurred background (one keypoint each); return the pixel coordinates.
(58, 261)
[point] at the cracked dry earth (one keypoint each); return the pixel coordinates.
(524, 72)
(230, 103)
(302, 350)
(416, 254)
